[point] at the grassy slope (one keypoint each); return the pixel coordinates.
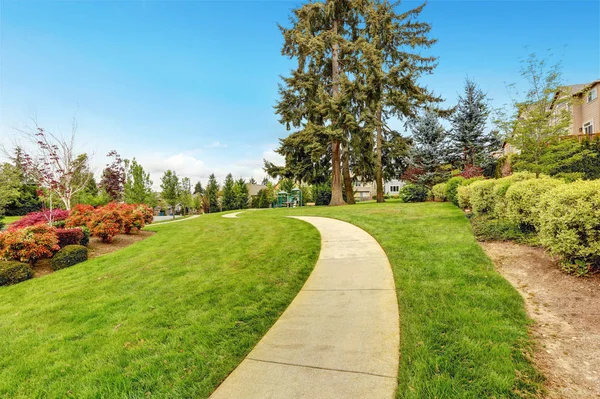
(171, 315)
(463, 327)
(9, 219)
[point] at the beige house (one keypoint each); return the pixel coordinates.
(585, 117)
(585, 108)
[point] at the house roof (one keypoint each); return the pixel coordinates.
(579, 88)
(253, 189)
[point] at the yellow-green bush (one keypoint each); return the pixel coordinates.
(482, 197)
(569, 220)
(452, 189)
(523, 200)
(463, 192)
(439, 192)
(501, 187)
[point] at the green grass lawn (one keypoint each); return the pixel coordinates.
(174, 314)
(9, 219)
(170, 316)
(464, 331)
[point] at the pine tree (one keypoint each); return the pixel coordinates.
(170, 189)
(198, 188)
(252, 181)
(241, 194)
(229, 200)
(185, 194)
(388, 72)
(468, 138)
(429, 151)
(265, 181)
(212, 192)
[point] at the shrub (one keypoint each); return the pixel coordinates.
(463, 192)
(36, 218)
(29, 244)
(69, 236)
(414, 193)
(147, 212)
(439, 192)
(86, 236)
(106, 222)
(451, 189)
(14, 272)
(133, 218)
(569, 221)
(80, 216)
(471, 171)
(482, 197)
(488, 228)
(523, 198)
(69, 256)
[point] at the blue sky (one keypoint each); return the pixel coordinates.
(190, 85)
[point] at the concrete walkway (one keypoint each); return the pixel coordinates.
(176, 220)
(339, 338)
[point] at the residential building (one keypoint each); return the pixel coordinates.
(364, 191)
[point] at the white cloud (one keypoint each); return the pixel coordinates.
(216, 144)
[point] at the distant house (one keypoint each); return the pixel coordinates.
(253, 189)
(364, 191)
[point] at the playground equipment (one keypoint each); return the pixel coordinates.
(289, 200)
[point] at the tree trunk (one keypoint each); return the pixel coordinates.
(378, 158)
(336, 176)
(347, 177)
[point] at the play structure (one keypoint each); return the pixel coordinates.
(289, 200)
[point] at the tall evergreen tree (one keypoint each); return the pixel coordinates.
(241, 194)
(265, 181)
(389, 68)
(185, 194)
(229, 199)
(170, 189)
(252, 181)
(212, 193)
(429, 150)
(468, 138)
(198, 188)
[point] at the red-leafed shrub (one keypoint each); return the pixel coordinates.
(80, 215)
(29, 244)
(133, 218)
(42, 217)
(106, 222)
(69, 236)
(471, 171)
(147, 212)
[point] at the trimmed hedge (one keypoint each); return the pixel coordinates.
(69, 256)
(482, 197)
(569, 221)
(14, 272)
(523, 199)
(452, 188)
(439, 192)
(69, 236)
(414, 193)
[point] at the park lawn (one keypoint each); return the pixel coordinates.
(464, 330)
(170, 316)
(9, 219)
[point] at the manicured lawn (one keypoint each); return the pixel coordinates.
(170, 316)
(9, 219)
(463, 327)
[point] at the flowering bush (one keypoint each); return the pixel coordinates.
(471, 171)
(29, 244)
(80, 216)
(147, 212)
(106, 222)
(69, 236)
(42, 217)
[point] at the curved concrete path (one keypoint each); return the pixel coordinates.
(339, 338)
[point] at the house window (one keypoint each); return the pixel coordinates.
(592, 95)
(588, 127)
(394, 189)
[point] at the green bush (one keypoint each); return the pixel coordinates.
(489, 228)
(14, 272)
(482, 197)
(464, 192)
(569, 221)
(439, 192)
(414, 193)
(69, 256)
(86, 236)
(452, 187)
(523, 199)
